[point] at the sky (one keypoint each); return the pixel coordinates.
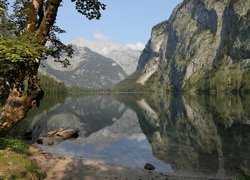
(123, 21)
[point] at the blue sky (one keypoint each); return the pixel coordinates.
(123, 21)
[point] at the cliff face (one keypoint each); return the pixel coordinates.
(204, 46)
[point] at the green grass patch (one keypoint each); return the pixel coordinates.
(18, 166)
(13, 144)
(14, 161)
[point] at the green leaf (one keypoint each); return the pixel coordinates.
(20, 49)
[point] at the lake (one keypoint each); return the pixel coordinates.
(196, 135)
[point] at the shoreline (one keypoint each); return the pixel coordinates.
(57, 167)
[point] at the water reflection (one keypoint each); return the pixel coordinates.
(199, 134)
(88, 114)
(183, 134)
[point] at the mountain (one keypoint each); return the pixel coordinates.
(87, 69)
(126, 56)
(204, 46)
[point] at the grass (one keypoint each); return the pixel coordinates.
(13, 144)
(14, 161)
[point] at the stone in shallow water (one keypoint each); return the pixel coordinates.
(149, 166)
(56, 136)
(27, 135)
(63, 133)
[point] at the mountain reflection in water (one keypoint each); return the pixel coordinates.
(183, 134)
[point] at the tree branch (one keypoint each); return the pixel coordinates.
(48, 20)
(33, 12)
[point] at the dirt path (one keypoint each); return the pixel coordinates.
(72, 169)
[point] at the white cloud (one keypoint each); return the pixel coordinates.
(138, 46)
(99, 36)
(104, 45)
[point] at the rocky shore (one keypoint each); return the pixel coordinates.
(68, 168)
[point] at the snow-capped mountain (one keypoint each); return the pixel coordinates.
(87, 69)
(126, 56)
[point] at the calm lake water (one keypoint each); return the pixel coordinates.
(182, 134)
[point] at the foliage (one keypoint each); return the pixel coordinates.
(25, 47)
(19, 15)
(20, 49)
(89, 8)
(34, 27)
(130, 85)
(223, 79)
(3, 4)
(57, 49)
(77, 89)
(51, 85)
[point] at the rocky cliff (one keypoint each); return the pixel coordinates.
(204, 46)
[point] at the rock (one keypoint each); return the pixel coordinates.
(149, 166)
(87, 68)
(63, 133)
(51, 143)
(39, 141)
(56, 136)
(204, 46)
(27, 135)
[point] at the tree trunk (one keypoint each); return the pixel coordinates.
(14, 110)
(19, 101)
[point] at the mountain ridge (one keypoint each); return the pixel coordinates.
(204, 46)
(126, 55)
(88, 69)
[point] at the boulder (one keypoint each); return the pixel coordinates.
(56, 136)
(63, 133)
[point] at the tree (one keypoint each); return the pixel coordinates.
(33, 25)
